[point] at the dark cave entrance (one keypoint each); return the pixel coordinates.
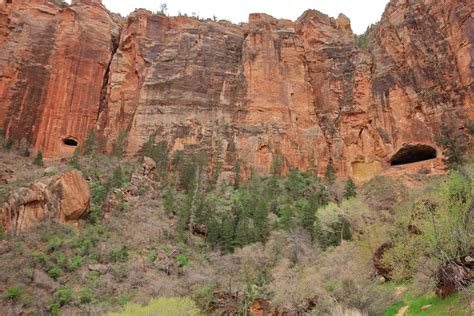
(70, 142)
(413, 153)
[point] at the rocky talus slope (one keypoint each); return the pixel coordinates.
(309, 91)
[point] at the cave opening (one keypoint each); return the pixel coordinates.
(413, 153)
(70, 142)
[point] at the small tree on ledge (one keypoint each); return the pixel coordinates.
(38, 159)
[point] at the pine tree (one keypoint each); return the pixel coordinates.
(169, 201)
(453, 148)
(261, 225)
(213, 231)
(242, 232)
(38, 159)
(90, 144)
(227, 235)
(350, 190)
(277, 164)
(75, 159)
(118, 146)
(286, 218)
(237, 174)
(330, 174)
(24, 148)
(218, 161)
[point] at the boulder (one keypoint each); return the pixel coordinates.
(65, 197)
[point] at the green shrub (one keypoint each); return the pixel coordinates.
(433, 226)
(118, 254)
(152, 255)
(40, 258)
(14, 293)
(204, 296)
(182, 260)
(54, 309)
(55, 272)
(90, 143)
(63, 296)
(124, 298)
(38, 159)
(86, 295)
(54, 243)
(75, 263)
(8, 144)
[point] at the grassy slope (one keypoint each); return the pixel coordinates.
(452, 305)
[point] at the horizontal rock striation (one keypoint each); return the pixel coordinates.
(308, 92)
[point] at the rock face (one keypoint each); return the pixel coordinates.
(309, 92)
(65, 198)
(52, 67)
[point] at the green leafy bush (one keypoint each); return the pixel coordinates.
(118, 254)
(14, 293)
(182, 260)
(55, 272)
(64, 296)
(86, 296)
(435, 226)
(40, 258)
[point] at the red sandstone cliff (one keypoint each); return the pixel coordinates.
(303, 90)
(52, 68)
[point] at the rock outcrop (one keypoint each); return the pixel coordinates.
(308, 91)
(65, 198)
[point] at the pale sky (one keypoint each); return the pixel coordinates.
(361, 12)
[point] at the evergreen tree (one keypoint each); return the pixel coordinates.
(118, 146)
(227, 235)
(182, 223)
(38, 159)
(117, 180)
(453, 148)
(277, 164)
(218, 161)
(286, 218)
(330, 174)
(169, 201)
(8, 143)
(75, 159)
(24, 148)
(350, 190)
(242, 233)
(237, 174)
(261, 225)
(90, 144)
(213, 231)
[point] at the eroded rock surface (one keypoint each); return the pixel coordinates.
(65, 197)
(308, 91)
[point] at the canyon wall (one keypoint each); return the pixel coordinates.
(308, 91)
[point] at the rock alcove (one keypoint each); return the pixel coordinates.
(413, 153)
(69, 141)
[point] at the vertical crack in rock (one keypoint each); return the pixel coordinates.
(115, 42)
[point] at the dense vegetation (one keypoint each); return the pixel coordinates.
(297, 241)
